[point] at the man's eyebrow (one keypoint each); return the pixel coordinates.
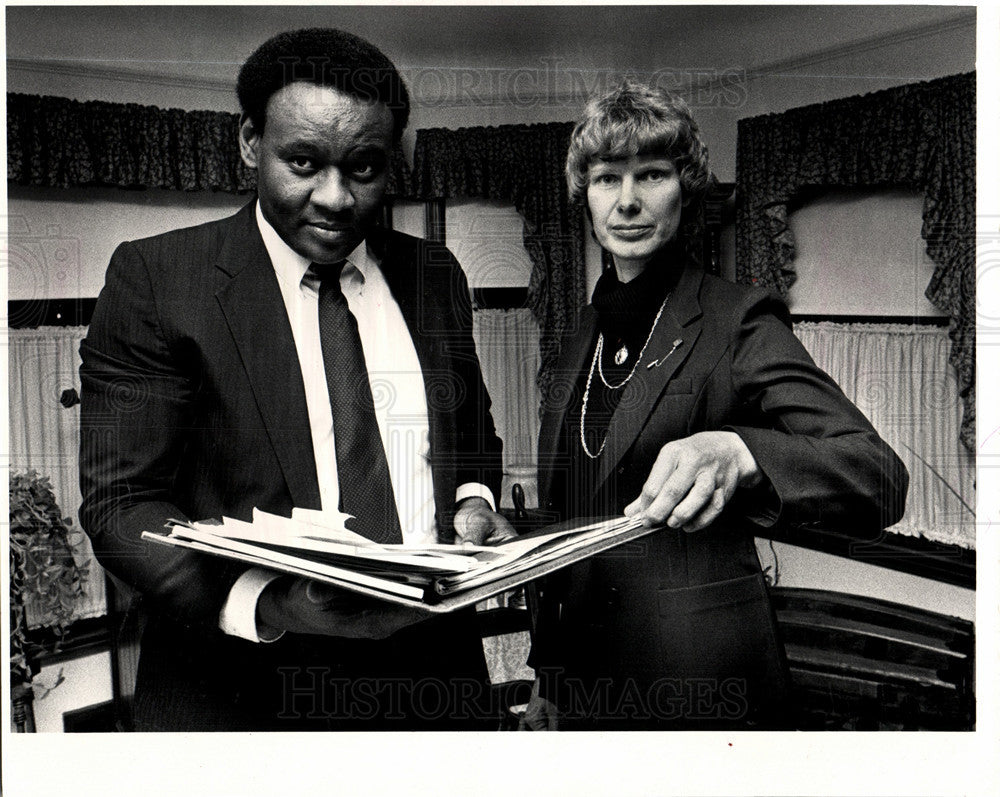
(301, 144)
(367, 150)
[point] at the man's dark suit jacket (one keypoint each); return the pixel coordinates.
(193, 406)
(679, 626)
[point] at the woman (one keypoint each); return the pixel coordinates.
(689, 402)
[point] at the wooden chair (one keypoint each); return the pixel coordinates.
(861, 663)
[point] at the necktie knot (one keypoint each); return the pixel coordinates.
(328, 273)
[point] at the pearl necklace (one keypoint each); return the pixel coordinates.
(596, 363)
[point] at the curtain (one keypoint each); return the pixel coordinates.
(507, 344)
(523, 166)
(55, 142)
(920, 136)
(44, 435)
(899, 377)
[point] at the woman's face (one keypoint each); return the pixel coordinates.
(636, 207)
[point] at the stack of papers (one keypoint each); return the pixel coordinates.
(437, 577)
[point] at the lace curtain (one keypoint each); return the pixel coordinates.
(921, 136)
(507, 344)
(521, 165)
(899, 377)
(44, 435)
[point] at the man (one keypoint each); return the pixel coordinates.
(237, 364)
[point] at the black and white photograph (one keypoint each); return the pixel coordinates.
(391, 384)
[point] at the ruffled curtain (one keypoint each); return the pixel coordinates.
(55, 142)
(921, 136)
(507, 345)
(521, 165)
(900, 378)
(44, 435)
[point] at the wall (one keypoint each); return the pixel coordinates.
(61, 240)
(85, 682)
(801, 567)
(860, 253)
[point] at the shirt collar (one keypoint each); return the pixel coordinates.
(293, 268)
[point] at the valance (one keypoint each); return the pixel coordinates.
(56, 142)
(920, 136)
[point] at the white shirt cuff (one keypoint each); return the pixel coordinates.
(239, 614)
(475, 490)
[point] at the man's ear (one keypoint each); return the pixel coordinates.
(249, 138)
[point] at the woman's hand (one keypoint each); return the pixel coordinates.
(540, 715)
(693, 479)
(476, 523)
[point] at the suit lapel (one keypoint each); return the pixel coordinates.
(681, 320)
(255, 312)
(573, 357)
(419, 308)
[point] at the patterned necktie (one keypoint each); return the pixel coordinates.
(362, 469)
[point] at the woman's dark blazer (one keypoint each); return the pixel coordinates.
(681, 621)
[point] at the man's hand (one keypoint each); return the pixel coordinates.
(304, 606)
(540, 715)
(476, 523)
(693, 479)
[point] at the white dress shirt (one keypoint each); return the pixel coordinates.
(397, 389)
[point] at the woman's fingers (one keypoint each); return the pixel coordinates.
(691, 481)
(663, 467)
(698, 497)
(709, 512)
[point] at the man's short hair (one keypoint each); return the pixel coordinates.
(326, 57)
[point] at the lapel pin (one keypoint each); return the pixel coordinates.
(673, 348)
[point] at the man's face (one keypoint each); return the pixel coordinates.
(321, 164)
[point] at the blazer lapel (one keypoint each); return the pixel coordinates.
(576, 346)
(417, 306)
(681, 321)
(255, 312)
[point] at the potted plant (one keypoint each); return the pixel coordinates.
(45, 580)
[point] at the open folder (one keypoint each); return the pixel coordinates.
(437, 577)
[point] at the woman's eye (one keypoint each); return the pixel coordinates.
(604, 179)
(654, 175)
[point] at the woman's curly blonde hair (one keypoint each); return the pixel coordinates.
(635, 119)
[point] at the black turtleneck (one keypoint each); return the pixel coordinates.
(625, 315)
